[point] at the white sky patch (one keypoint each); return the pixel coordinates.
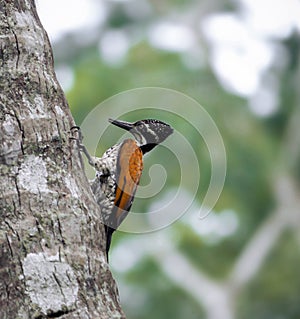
(114, 46)
(46, 290)
(273, 18)
(63, 16)
(33, 175)
(241, 47)
(238, 57)
(171, 36)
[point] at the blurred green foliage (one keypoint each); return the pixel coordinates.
(254, 154)
(275, 291)
(162, 292)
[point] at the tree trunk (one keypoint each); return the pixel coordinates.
(52, 261)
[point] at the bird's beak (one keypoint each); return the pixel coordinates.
(122, 124)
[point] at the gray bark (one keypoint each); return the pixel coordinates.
(52, 261)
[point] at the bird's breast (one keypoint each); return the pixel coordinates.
(130, 161)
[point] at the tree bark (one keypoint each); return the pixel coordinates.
(52, 261)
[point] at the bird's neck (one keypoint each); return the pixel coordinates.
(147, 147)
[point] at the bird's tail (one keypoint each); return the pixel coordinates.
(108, 231)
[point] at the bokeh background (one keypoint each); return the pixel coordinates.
(240, 60)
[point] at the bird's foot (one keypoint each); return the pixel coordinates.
(82, 148)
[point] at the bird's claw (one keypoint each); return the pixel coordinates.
(77, 130)
(81, 146)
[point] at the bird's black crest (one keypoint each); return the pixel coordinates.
(154, 131)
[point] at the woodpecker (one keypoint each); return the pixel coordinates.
(119, 170)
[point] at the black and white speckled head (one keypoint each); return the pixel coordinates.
(148, 133)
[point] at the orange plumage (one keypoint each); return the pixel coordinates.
(129, 171)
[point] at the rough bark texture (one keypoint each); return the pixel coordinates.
(52, 262)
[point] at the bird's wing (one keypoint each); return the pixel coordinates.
(129, 171)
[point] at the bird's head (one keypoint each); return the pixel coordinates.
(148, 133)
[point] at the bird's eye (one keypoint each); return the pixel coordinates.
(141, 124)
